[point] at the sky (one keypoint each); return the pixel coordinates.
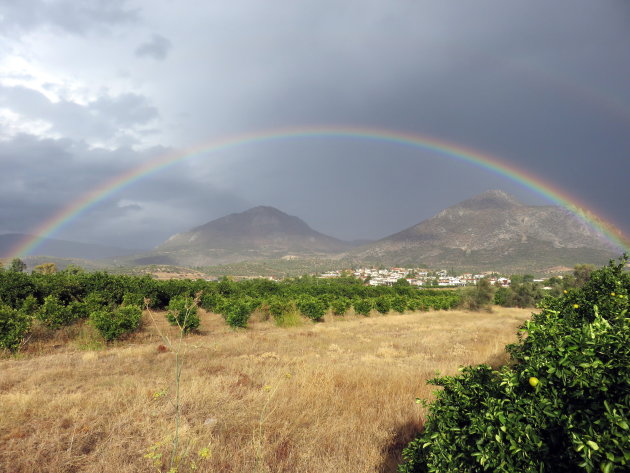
(93, 89)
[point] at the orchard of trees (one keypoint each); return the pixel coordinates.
(114, 303)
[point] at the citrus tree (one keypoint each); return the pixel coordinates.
(562, 405)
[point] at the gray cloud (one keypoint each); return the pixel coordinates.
(541, 85)
(66, 15)
(157, 48)
(104, 118)
(52, 174)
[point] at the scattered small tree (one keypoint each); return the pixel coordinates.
(17, 265)
(363, 306)
(54, 314)
(112, 324)
(480, 296)
(311, 307)
(14, 325)
(182, 312)
(340, 305)
(45, 268)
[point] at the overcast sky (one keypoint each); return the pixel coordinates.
(91, 89)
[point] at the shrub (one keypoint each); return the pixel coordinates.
(312, 307)
(237, 312)
(562, 405)
(14, 325)
(30, 305)
(213, 302)
(399, 303)
(54, 314)
(135, 299)
(96, 301)
(113, 324)
(363, 306)
(340, 305)
(78, 310)
(278, 307)
(480, 296)
(383, 304)
(182, 312)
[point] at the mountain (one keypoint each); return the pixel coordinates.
(64, 248)
(260, 232)
(492, 231)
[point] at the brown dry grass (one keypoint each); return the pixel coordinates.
(338, 396)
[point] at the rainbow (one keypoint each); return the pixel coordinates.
(535, 183)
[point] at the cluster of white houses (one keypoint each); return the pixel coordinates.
(418, 277)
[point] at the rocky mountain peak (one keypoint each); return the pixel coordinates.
(491, 200)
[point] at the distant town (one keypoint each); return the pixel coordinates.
(420, 277)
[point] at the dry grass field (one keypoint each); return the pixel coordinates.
(337, 396)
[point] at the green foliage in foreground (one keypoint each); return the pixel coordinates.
(14, 325)
(113, 324)
(562, 406)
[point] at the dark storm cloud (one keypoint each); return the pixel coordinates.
(68, 15)
(542, 85)
(157, 48)
(531, 86)
(52, 174)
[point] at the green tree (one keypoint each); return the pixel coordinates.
(14, 325)
(383, 304)
(582, 273)
(561, 405)
(311, 307)
(17, 265)
(45, 268)
(182, 312)
(480, 296)
(363, 306)
(113, 324)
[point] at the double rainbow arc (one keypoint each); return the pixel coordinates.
(454, 151)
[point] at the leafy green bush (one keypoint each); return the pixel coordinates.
(399, 303)
(30, 305)
(278, 307)
(312, 307)
(135, 299)
(14, 325)
(213, 302)
(480, 296)
(113, 324)
(340, 305)
(383, 304)
(78, 310)
(363, 306)
(238, 311)
(54, 314)
(182, 312)
(563, 405)
(96, 301)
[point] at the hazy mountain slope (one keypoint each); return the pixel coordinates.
(260, 232)
(492, 230)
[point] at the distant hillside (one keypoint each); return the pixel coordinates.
(257, 233)
(64, 248)
(492, 231)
